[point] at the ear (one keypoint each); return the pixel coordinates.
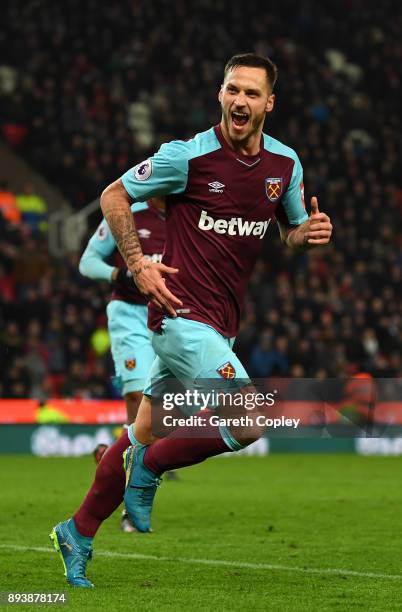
(270, 103)
(220, 94)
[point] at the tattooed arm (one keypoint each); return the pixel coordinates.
(148, 276)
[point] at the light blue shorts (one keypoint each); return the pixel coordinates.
(131, 344)
(193, 354)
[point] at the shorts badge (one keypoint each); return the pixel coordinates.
(273, 188)
(130, 364)
(227, 370)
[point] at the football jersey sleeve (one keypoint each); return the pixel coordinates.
(293, 200)
(100, 247)
(163, 174)
(102, 240)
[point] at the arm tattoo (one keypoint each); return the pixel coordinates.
(119, 217)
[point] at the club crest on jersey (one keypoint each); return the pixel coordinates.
(130, 364)
(273, 188)
(143, 171)
(227, 371)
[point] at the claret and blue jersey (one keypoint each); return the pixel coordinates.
(219, 206)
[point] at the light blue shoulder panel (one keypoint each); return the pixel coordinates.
(166, 172)
(293, 198)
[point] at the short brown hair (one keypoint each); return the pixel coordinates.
(253, 61)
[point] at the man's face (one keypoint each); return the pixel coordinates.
(245, 97)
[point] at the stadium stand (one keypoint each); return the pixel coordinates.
(129, 76)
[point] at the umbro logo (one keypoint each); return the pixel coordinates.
(144, 233)
(216, 187)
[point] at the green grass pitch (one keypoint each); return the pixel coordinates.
(283, 532)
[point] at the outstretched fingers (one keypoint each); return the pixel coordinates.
(161, 296)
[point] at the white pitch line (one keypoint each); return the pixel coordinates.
(218, 562)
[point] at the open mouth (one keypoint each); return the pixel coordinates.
(239, 119)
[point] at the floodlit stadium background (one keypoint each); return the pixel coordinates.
(89, 89)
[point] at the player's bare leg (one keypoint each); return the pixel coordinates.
(148, 426)
(142, 428)
(145, 434)
(133, 401)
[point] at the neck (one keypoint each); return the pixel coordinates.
(251, 146)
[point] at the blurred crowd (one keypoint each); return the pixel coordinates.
(89, 89)
(53, 335)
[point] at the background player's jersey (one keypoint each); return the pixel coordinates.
(150, 224)
(219, 208)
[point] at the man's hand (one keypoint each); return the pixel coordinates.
(314, 232)
(148, 277)
(319, 228)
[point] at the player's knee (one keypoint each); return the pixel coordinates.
(143, 433)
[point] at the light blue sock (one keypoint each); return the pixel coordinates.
(229, 440)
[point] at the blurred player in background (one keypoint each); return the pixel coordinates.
(223, 188)
(127, 310)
